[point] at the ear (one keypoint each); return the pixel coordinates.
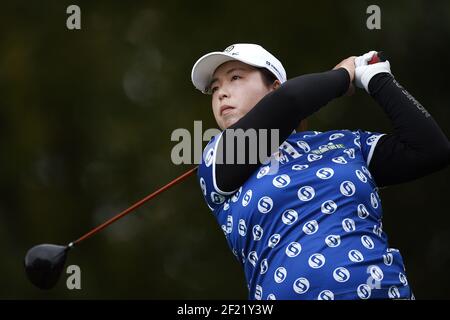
(275, 85)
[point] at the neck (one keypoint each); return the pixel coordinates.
(302, 126)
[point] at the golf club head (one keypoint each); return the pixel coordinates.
(44, 264)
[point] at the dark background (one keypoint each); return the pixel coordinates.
(86, 118)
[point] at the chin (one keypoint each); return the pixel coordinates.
(229, 123)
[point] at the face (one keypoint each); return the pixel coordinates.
(236, 88)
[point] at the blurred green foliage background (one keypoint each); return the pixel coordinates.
(86, 117)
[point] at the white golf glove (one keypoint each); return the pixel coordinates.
(364, 71)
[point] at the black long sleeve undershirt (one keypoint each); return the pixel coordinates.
(281, 109)
(416, 147)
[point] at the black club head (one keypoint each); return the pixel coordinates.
(44, 264)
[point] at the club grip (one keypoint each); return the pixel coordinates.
(378, 57)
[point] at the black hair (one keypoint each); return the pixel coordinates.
(267, 76)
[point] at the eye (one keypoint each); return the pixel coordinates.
(214, 89)
(235, 77)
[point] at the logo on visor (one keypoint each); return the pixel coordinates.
(274, 68)
(228, 49)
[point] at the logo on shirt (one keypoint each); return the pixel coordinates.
(333, 240)
(226, 205)
(376, 273)
(217, 198)
(203, 186)
(388, 259)
(403, 279)
(356, 142)
(235, 196)
(348, 225)
(257, 232)
(335, 136)
(253, 258)
(373, 200)
(306, 193)
(247, 197)
(298, 167)
(370, 140)
(289, 216)
(316, 261)
(304, 146)
(262, 172)
(393, 292)
(325, 173)
(301, 285)
(229, 224)
(366, 171)
(375, 277)
(377, 229)
(361, 176)
(281, 181)
(258, 292)
(367, 242)
(273, 240)
(264, 266)
(347, 188)
(363, 213)
(326, 295)
(314, 157)
(224, 229)
(293, 249)
(350, 152)
(328, 147)
(280, 275)
(209, 157)
(340, 160)
(242, 228)
(364, 291)
(310, 227)
(265, 204)
(341, 274)
(328, 207)
(355, 256)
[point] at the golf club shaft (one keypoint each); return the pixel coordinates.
(133, 207)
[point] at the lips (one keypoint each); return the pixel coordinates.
(225, 109)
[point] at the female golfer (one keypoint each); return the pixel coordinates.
(306, 222)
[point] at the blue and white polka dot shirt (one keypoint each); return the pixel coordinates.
(312, 228)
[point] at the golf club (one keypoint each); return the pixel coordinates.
(45, 262)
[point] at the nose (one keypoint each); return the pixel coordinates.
(222, 93)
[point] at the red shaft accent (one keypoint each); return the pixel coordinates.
(375, 59)
(135, 206)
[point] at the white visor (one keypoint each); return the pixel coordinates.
(251, 54)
